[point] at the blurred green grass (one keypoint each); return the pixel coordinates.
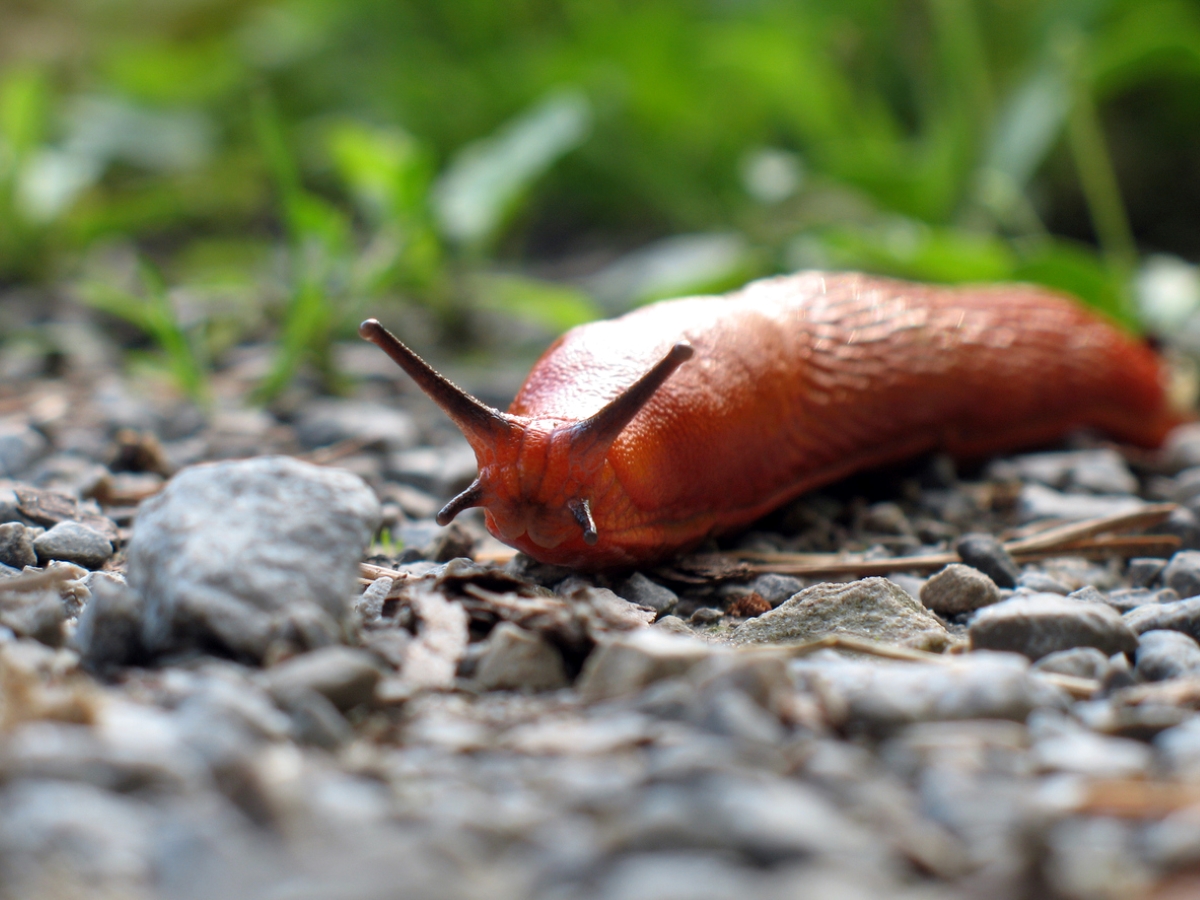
(558, 160)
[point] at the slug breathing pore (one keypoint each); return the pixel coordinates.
(536, 474)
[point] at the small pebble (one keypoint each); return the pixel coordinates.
(514, 659)
(1166, 654)
(776, 588)
(1145, 571)
(344, 676)
(1182, 615)
(1183, 573)
(1041, 583)
(959, 589)
(985, 553)
(16, 545)
(73, 542)
(637, 588)
(1079, 662)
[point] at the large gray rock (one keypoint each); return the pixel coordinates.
(1040, 624)
(872, 608)
(235, 553)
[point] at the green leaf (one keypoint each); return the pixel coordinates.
(555, 307)
(486, 179)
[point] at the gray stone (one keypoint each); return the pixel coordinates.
(1036, 625)
(442, 471)
(766, 819)
(706, 615)
(959, 589)
(228, 550)
(985, 553)
(776, 588)
(1181, 449)
(1166, 654)
(62, 838)
(34, 614)
(344, 676)
(627, 663)
(1040, 583)
(1183, 573)
(1082, 752)
(109, 633)
(1078, 662)
(879, 698)
(518, 660)
(1182, 615)
(1125, 599)
(74, 542)
(639, 589)
(16, 545)
(1179, 748)
(325, 422)
(1100, 471)
(872, 608)
(1037, 501)
(1145, 571)
(315, 718)
(1183, 524)
(20, 447)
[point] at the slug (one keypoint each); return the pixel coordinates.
(636, 438)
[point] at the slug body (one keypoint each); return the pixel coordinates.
(609, 457)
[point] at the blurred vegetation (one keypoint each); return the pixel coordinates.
(280, 168)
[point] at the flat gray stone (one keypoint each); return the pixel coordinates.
(1039, 624)
(959, 589)
(879, 698)
(229, 552)
(518, 660)
(871, 608)
(73, 542)
(1182, 615)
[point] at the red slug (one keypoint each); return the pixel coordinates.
(635, 438)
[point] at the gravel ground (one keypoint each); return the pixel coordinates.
(202, 697)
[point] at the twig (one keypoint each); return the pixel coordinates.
(1146, 517)
(323, 456)
(1131, 799)
(368, 572)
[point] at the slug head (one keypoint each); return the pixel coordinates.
(536, 474)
